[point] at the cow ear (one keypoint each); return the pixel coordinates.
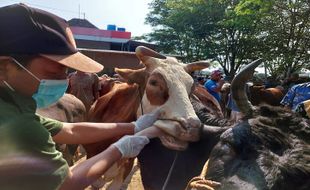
(144, 52)
(138, 76)
(198, 65)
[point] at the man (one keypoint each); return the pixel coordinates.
(201, 80)
(291, 81)
(235, 114)
(85, 86)
(36, 48)
(296, 95)
(303, 109)
(214, 84)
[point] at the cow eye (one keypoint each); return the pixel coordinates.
(153, 82)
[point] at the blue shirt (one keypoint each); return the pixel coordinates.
(211, 85)
(296, 95)
(231, 104)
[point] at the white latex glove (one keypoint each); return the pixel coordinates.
(146, 120)
(130, 146)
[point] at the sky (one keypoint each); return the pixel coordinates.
(129, 14)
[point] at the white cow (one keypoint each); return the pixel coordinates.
(165, 84)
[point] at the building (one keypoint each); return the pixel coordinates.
(112, 47)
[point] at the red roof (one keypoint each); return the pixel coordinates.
(100, 33)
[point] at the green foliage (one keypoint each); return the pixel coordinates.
(234, 32)
(286, 42)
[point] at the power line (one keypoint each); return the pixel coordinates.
(7, 1)
(50, 8)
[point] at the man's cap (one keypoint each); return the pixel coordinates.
(27, 30)
(216, 72)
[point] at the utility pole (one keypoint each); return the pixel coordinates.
(265, 69)
(79, 11)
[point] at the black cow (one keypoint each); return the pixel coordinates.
(269, 149)
(156, 160)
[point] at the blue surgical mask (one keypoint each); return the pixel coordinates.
(49, 91)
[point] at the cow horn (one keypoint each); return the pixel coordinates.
(198, 65)
(238, 88)
(209, 131)
(144, 52)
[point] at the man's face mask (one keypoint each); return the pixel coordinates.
(49, 91)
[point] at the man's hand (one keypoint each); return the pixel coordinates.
(130, 146)
(146, 120)
(221, 82)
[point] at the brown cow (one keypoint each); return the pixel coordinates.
(208, 100)
(163, 83)
(259, 94)
(116, 104)
(67, 109)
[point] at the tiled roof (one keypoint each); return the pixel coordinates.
(81, 23)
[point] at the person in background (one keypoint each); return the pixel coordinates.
(214, 84)
(270, 82)
(235, 114)
(201, 80)
(36, 50)
(291, 81)
(85, 86)
(303, 109)
(296, 95)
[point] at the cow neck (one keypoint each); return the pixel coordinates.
(170, 171)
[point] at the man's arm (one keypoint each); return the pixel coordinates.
(84, 132)
(85, 173)
(219, 86)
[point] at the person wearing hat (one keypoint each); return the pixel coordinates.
(296, 95)
(214, 84)
(36, 48)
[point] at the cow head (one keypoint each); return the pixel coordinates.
(166, 84)
(269, 149)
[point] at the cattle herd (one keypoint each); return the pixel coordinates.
(199, 148)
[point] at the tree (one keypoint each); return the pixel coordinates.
(234, 32)
(237, 36)
(199, 29)
(286, 43)
(183, 27)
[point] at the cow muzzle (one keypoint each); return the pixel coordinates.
(179, 132)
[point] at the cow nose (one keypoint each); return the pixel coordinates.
(193, 122)
(192, 129)
(189, 123)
